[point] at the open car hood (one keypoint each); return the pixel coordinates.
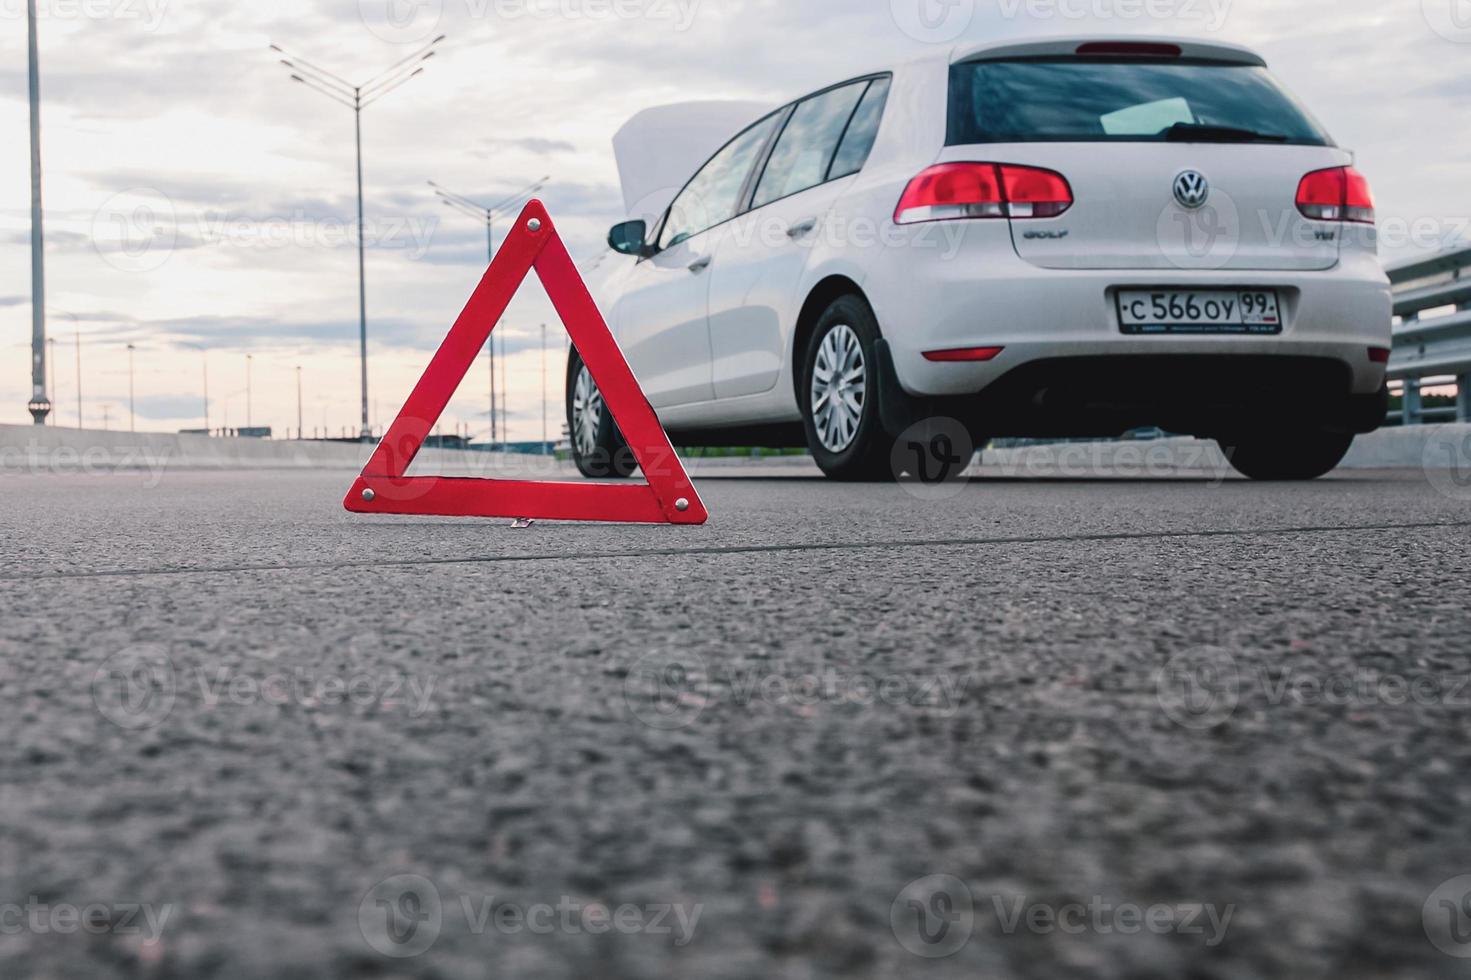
(659, 149)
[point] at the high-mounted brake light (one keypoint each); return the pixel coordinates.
(948, 191)
(1339, 194)
(1130, 49)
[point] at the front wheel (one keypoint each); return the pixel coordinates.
(598, 448)
(1286, 455)
(839, 391)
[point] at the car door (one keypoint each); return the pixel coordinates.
(758, 261)
(661, 321)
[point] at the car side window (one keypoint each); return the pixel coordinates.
(714, 194)
(862, 131)
(806, 147)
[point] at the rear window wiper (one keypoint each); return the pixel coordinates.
(1202, 133)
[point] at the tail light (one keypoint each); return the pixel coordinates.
(983, 190)
(1340, 194)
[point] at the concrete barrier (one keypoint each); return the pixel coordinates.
(50, 449)
(37, 449)
(1421, 447)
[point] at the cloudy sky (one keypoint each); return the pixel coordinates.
(197, 198)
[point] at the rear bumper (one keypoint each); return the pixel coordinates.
(925, 303)
(1107, 395)
(1067, 369)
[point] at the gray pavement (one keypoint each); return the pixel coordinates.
(1176, 728)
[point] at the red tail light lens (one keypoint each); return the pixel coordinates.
(963, 355)
(1340, 194)
(983, 190)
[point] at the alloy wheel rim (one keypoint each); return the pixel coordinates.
(839, 388)
(587, 412)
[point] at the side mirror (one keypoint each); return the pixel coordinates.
(628, 239)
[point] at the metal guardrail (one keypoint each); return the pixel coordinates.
(1439, 347)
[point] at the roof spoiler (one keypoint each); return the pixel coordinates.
(1163, 48)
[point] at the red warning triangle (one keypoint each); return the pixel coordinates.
(668, 497)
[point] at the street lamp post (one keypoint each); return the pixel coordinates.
(249, 358)
(132, 411)
(39, 405)
(299, 434)
(489, 213)
(357, 98)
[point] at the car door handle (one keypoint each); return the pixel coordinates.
(700, 265)
(801, 228)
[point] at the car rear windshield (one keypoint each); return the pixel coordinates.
(1073, 100)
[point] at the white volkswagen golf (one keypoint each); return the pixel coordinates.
(1044, 239)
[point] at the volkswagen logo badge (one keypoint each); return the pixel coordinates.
(1192, 190)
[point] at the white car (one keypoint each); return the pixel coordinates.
(1056, 238)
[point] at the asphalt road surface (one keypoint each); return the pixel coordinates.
(1172, 728)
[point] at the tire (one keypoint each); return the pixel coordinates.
(1286, 455)
(844, 435)
(598, 448)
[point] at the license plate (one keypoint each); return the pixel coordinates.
(1253, 311)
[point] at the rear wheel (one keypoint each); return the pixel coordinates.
(839, 394)
(598, 448)
(1286, 455)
